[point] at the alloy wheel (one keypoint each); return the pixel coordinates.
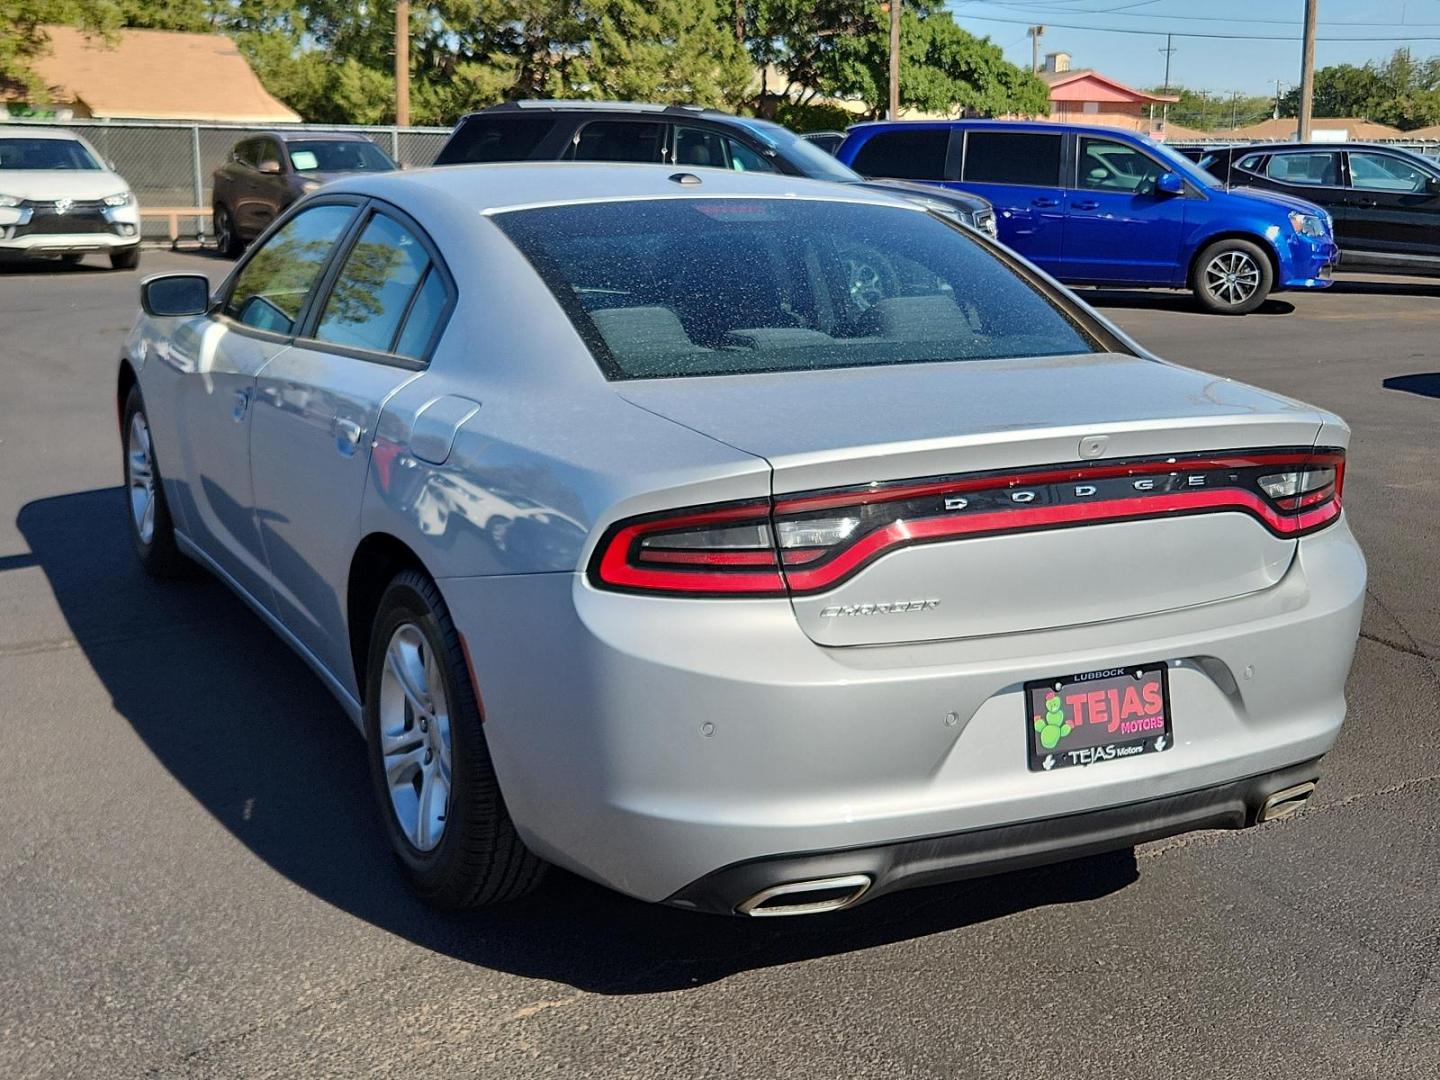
(1232, 277)
(415, 737)
(140, 478)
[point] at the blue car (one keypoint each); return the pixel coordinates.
(1097, 206)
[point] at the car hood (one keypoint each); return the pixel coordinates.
(46, 184)
(1275, 198)
(962, 199)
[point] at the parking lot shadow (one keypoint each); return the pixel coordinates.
(1426, 385)
(252, 735)
(1167, 300)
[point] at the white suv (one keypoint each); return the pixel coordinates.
(58, 200)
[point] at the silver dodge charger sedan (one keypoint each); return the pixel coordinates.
(741, 542)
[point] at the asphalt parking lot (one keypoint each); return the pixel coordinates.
(193, 883)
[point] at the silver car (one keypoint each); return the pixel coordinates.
(738, 541)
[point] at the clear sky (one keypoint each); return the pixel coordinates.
(1219, 64)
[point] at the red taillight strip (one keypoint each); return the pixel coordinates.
(904, 533)
(623, 562)
(801, 504)
(616, 569)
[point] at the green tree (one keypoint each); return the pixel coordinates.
(1401, 91)
(1211, 112)
(23, 38)
(672, 51)
(943, 68)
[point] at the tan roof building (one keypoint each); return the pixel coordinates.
(1337, 128)
(1425, 134)
(156, 75)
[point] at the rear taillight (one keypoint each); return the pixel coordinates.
(725, 550)
(810, 542)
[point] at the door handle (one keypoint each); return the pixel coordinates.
(1044, 203)
(1366, 204)
(1088, 204)
(347, 435)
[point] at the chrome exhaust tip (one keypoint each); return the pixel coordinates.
(809, 897)
(1285, 803)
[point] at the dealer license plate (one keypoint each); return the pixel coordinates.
(1097, 716)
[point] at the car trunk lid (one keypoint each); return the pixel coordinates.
(1029, 448)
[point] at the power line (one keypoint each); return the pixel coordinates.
(1204, 34)
(1121, 12)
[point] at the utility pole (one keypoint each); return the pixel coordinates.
(1169, 51)
(1036, 33)
(1307, 70)
(894, 113)
(402, 63)
(1277, 99)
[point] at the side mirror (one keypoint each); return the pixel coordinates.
(1432, 185)
(1169, 183)
(270, 167)
(170, 296)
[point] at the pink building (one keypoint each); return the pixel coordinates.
(1086, 96)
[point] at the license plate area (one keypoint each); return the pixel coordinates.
(1097, 716)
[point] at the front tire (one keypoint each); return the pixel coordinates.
(430, 767)
(1232, 277)
(128, 259)
(151, 531)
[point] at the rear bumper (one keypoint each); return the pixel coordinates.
(937, 859)
(648, 742)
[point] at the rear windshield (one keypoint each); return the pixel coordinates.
(694, 286)
(333, 155)
(64, 154)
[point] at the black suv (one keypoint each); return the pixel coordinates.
(1385, 201)
(672, 135)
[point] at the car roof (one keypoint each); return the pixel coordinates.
(493, 188)
(1320, 146)
(1006, 125)
(315, 136)
(24, 131)
(549, 105)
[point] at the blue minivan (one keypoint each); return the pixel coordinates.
(1097, 206)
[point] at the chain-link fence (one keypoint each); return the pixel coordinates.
(170, 164)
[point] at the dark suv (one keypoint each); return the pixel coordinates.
(1385, 201)
(671, 135)
(268, 171)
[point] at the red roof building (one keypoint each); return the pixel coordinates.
(1086, 96)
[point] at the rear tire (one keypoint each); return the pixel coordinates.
(128, 259)
(1232, 277)
(226, 242)
(148, 514)
(430, 767)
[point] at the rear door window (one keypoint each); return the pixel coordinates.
(1012, 157)
(621, 140)
(1310, 170)
(374, 288)
(904, 155)
(496, 138)
(272, 287)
